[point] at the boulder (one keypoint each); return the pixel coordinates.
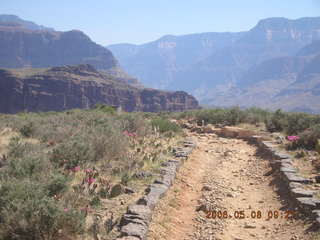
(154, 193)
(135, 230)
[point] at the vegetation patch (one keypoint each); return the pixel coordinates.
(54, 187)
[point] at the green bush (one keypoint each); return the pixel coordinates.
(104, 108)
(71, 154)
(164, 125)
(26, 212)
(16, 147)
(27, 130)
(95, 202)
(57, 184)
(277, 122)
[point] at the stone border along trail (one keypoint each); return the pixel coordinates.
(224, 174)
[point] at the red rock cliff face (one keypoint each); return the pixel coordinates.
(82, 86)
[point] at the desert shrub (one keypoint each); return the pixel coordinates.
(126, 178)
(104, 108)
(57, 184)
(231, 116)
(235, 116)
(95, 202)
(277, 122)
(255, 115)
(309, 137)
(28, 213)
(16, 147)
(214, 116)
(298, 122)
(133, 123)
(27, 167)
(27, 129)
(164, 125)
(72, 153)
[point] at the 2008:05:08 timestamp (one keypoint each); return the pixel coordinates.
(276, 214)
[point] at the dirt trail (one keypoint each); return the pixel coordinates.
(224, 175)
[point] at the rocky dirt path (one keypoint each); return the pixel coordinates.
(225, 176)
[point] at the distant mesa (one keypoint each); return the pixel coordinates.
(81, 86)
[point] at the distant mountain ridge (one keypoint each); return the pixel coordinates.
(291, 83)
(25, 44)
(7, 18)
(227, 63)
(157, 63)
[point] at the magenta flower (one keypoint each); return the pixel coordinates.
(75, 169)
(126, 133)
(66, 209)
(90, 180)
(88, 171)
(293, 138)
(129, 134)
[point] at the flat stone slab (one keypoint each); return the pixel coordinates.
(300, 192)
(306, 202)
(286, 161)
(316, 213)
(281, 155)
(295, 185)
(286, 164)
(268, 144)
(154, 193)
(288, 169)
(141, 211)
(292, 177)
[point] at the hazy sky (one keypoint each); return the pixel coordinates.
(139, 21)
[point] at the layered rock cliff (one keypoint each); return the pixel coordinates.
(27, 45)
(82, 86)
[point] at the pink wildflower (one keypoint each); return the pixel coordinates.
(66, 209)
(88, 171)
(293, 138)
(75, 169)
(90, 180)
(126, 133)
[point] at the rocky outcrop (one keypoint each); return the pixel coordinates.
(82, 86)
